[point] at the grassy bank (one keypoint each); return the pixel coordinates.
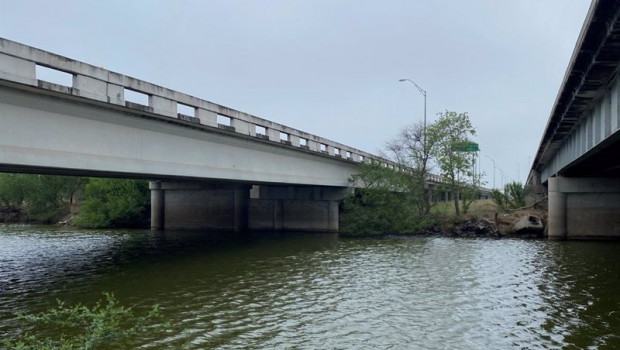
(483, 218)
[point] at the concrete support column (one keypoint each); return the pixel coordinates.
(278, 220)
(241, 207)
(557, 210)
(296, 208)
(157, 205)
(333, 216)
(584, 208)
(199, 206)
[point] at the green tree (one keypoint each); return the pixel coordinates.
(13, 189)
(387, 201)
(447, 133)
(513, 196)
(114, 203)
(411, 150)
(43, 198)
(82, 328)
(51, 197)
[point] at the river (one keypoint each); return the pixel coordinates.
(319, 291)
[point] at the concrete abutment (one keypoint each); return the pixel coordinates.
(242, 207)
(584, 208)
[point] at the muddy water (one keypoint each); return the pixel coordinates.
(319, 291)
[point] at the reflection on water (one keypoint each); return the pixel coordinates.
(275, 291)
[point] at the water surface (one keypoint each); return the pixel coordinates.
(318, 291)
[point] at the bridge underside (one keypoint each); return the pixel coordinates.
(584, 194)
(603, 161)
(239, 207)
(584, 199)
(584, 208)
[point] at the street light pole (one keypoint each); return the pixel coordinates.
(503, 177)
(423, 92)
(493, 170)
(425, 156)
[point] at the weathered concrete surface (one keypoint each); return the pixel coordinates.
(293, 215)
(202, 206)
(584, 208)
(48, 133)
(18, 64)
(228, 207)
(157, 205)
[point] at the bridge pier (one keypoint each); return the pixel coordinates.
(584, 208)
(234, 207)
(296, 208)
(199, 206)
(157, 205)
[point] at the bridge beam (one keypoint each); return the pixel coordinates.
(584, 208)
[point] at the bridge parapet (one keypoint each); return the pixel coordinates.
(18, 64)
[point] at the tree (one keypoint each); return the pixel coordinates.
(51, 196)
(13, 189)
(114, 203)
(43, 198)
(513, 196)
(446, 134)
(387, 201)
(410, 150)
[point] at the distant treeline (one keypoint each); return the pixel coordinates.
(96, 202)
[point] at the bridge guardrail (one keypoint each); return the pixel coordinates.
(18, 64)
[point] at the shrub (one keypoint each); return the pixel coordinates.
(513, 196)
(80, 327)
(390, 202)
(114, 203)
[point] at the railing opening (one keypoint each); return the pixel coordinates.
(186, 110)
(223, 120)
(285, 138)
(136, 97)
(348, 155)
(225, 123)
(303, 143)
(337, 152)
(362, 158)
(322, 148)
(259, 130)
(54, 76)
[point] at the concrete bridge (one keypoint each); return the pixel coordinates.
(578, 161)
(213, 167)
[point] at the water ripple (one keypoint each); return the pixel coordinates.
(315, 291)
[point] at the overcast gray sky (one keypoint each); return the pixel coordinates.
(331, 67)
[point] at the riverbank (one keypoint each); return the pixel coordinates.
(484, 219)
(10, 215)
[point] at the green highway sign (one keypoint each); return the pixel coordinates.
(466, 147)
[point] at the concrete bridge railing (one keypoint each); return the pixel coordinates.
(18, 64)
